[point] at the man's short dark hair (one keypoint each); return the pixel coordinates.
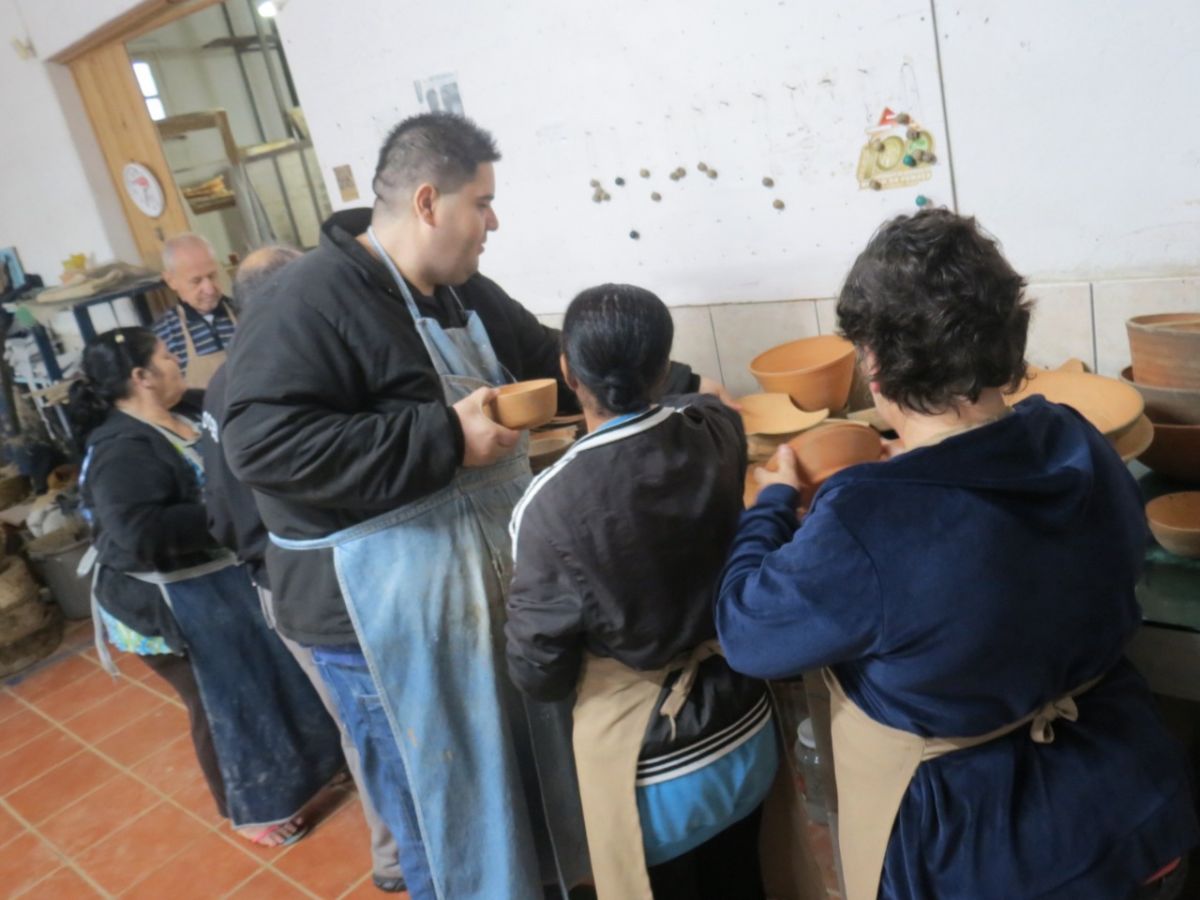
(939, 308)
(442, 149)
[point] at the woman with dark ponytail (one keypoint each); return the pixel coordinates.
(165, 591)
(617, 549)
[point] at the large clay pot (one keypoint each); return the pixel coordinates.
(1171, 404)
(1174, 451)
(1166, 349)
(815, 372)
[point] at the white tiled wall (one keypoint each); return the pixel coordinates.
(1070, 319)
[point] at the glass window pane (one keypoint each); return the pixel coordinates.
(145, 79)
(157, 111)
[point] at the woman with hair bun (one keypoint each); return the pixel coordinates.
(617, 549)
(164, 590)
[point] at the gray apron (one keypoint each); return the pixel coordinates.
(493, 779)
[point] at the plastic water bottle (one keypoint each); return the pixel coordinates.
(809, 762)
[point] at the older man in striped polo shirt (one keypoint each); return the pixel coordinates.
(198, 330)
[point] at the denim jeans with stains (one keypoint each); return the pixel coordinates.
(344, 670)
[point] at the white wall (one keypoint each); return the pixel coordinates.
(56, 196)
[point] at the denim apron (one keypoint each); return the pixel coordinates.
(275, 744)
(493, 780)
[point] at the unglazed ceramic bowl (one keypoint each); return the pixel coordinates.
(1174, 451)
(1132, 442)
(1175, 522)
(525, 404)
(775, 414)
(831, 447)
(1174, 404)
(1165, 349)
(816, 372)
(1110, 405)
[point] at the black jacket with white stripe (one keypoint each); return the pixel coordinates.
(618, 546)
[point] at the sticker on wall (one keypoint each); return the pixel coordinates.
(898, 152)
(345, 182)
(439, 93)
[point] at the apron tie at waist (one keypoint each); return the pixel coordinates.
(1041, 729)
(683, 685)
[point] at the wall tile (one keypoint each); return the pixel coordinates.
(554, 320)
(827, 316)
(745, 330)
(694, 341)
(1116, 301)
(1061, 326)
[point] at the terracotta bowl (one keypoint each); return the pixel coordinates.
(1175, 522)
(833, 446)
(816, 372)
(775, 414)
(1133, 442)
(546, 451)
(1174, 451)
(1166, 349)
(525, 404)
(1108, 404)
(1175, 404)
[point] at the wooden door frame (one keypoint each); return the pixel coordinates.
(117, 111)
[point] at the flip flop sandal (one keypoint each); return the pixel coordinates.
(261, 838)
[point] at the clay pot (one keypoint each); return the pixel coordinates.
(1166, 349)
(815, 372)
(831, 447)
(1172, 404)
(1175, 522)
(525, 404)
(775, 414)
(1108, 404)
(1174, 451)
(1133, 442)
(546, 451)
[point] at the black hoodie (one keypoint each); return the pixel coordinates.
(336, 413)
(147, 515)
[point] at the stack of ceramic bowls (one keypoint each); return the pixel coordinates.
(1116, 409)
(1165, 349)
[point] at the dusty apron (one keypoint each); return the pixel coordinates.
(875, 763)
(425, 587)
(612, 708)
(275, 744)
(200, 369)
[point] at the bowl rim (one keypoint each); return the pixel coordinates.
(1163, 501)
(516, 388)
(848, 351)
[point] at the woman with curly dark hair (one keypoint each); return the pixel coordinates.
(970, 600)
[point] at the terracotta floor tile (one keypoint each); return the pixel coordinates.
(79, 695)
(267, 885)
(32, 759)
(172, 768)
(143, 845)
(56, 674)
(9, 827)
(20, 729)
(99, 814)
(130, 702)
(137, 670)
(24, 861)
(333, 857)
(146, 735)
(61, 786)
(62, 885)
(9, 704)
(196, 798)
(210, 867)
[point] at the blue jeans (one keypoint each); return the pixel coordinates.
(344, 671)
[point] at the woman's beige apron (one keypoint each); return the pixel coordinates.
(875, 763)
(200, 369)
(612, 707)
